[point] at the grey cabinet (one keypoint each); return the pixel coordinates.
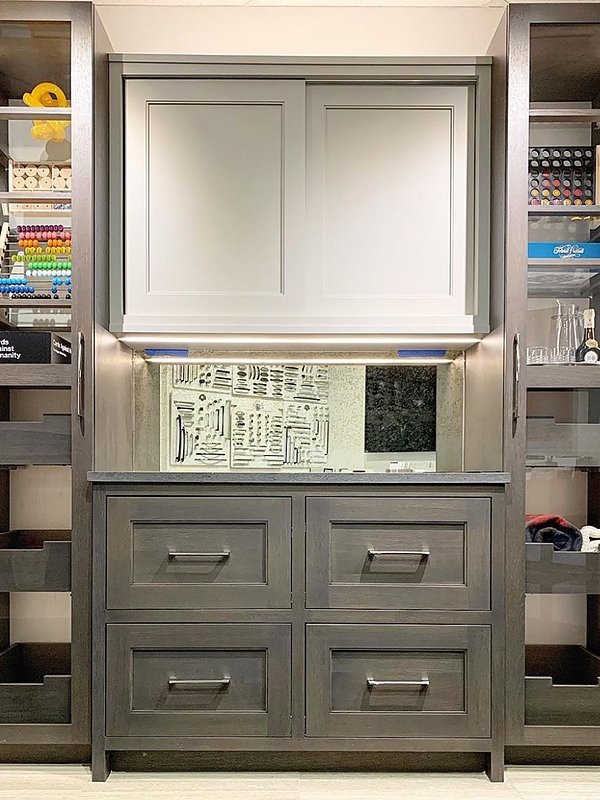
(398, 680)
(301, 200)
(198, 680)
(247, 615)
(404, 552)
(198, 552)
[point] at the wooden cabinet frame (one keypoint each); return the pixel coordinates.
(520, 20)
(299, 617)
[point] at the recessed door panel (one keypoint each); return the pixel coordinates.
(214, 199)
(389, 199)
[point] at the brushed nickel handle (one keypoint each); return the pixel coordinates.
(382, 553)
(373, 684)
(221, 555)
(210, 683)
(516, 401)
(80, 376)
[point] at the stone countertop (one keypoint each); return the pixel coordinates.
(318, 478)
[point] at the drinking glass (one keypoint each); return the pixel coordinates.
(537, 355)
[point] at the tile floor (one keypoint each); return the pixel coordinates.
(522, 783)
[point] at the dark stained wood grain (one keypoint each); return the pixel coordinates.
(455, 532)
(45, 442)
(141, 659)
(143, 535)
(455, 659)
(35, 561)
(35, 684)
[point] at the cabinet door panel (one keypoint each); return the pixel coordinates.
(398, 680)
(214, 192)
(390, 200)
(198, 552)
(398, 552)
(198, 680)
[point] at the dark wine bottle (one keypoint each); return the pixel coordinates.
(588, 351)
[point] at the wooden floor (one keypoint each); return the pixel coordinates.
(522, 783)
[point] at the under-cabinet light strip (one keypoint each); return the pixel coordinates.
(221, 339)
(285, 359)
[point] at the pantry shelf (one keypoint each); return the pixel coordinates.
(33, 303)
(42, 442)
(32, 196)
(35, 561)
(35, 684)
(592, 264)
(577, 115)
(563, 211)
(563, 377)
(562, 685)
(28, 113)
(38, 376)
(551, 443)
(549, 571)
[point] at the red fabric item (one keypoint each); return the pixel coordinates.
(552, 529)
(549, 520)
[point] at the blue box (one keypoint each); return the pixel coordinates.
(567, 251)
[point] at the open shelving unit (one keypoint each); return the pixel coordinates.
(46, 410)
(552, 435)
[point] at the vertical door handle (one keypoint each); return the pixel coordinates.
(80, 376)
(516, 388)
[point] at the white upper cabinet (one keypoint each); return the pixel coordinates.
(390, 203)
(214, 202)
(291, 205)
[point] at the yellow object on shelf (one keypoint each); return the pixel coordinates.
(47, 95)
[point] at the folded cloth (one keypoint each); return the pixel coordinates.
(548, 528)
(591, 539)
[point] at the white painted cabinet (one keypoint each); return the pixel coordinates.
(302, 206)
(390, 205)
(214, 202)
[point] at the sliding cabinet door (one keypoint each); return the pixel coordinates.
(391, 200)
(214, 203)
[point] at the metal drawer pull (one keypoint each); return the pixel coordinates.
(221, 555)
(217, 683)
(373, 684)
(379, 553)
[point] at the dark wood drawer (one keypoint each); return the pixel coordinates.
(398, 680)
(198, 680)
(405, 552)
(198, 552)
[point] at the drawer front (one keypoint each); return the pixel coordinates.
(198, 552)
(398, 680)
(398, 553)
(198, 680)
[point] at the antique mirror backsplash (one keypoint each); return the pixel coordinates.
(292, 417)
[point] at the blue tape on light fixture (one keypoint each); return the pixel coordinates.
(422, 353)
(169, 353)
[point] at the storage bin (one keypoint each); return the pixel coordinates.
(561, 685)
(43, 442)
(35, 684)
(35, 561)
(552, 571)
